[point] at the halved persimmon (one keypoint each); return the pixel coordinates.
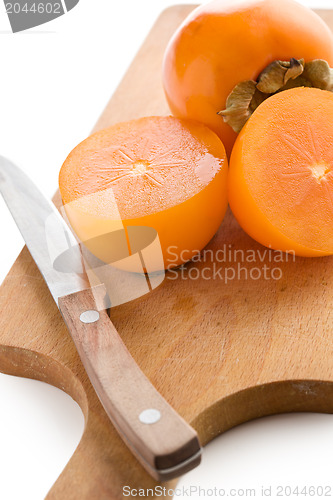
(157, 172)
(281, 173)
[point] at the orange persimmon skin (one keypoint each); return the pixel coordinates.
(156, 172)
(280, 184)
(225, 42)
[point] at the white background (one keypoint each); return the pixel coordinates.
(55, 82)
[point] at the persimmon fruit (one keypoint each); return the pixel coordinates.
(223, 43)
(280, 184)
(163, 173)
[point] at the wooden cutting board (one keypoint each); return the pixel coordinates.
(220, 353)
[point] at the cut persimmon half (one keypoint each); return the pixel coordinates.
(280, 185)
(161, 173)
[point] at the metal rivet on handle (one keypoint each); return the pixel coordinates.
(149, 416)
(89, 316)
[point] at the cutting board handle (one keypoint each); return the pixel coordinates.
(158, 436)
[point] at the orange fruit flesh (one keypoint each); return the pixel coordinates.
(280, 185)
(156, 172)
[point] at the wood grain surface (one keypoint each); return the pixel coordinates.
(220, 351)
(125, 392)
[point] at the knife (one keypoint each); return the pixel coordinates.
(157, 435)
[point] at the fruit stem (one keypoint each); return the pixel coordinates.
(276, 77)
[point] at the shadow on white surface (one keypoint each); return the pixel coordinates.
(40, 427)
(281, 452)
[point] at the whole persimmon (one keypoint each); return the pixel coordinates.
(225, 42)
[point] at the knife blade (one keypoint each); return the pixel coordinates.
(164, 443)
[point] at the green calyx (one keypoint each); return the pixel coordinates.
(278, 76)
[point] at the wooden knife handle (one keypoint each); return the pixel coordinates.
(162, 441)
